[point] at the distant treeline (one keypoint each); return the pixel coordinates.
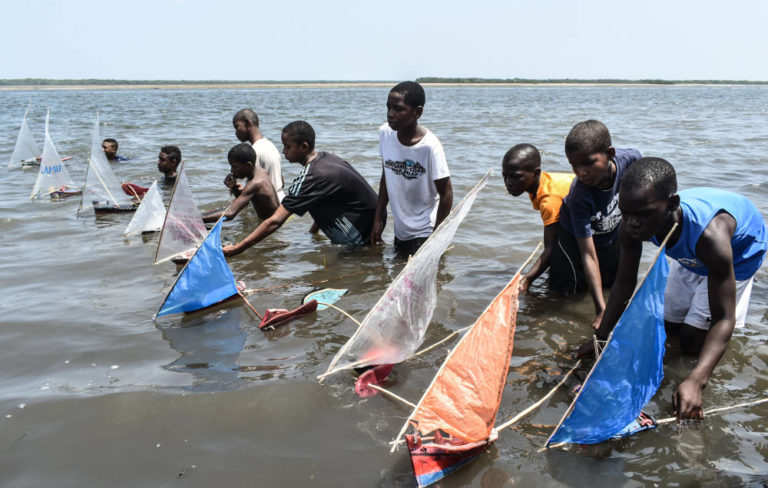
(605, 81)
(94, 81)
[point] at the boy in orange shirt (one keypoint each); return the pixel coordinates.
(521, 170)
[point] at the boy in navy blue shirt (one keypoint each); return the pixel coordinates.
(587, 253)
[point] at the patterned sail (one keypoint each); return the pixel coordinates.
(53, 173)
(183, 228)
(150, 215)
(628, 372)
(26, 149)
(102, 187)
(395, 326)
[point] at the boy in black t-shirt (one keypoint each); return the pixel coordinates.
(337, 197)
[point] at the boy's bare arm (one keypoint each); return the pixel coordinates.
(592, 274)
(381, 205)
(714, 250)
(264, 229)
(445, 191)
(541, 264)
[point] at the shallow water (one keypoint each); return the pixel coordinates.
(94, 393)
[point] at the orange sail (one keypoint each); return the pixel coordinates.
(465, 395)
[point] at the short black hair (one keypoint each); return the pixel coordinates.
(525, 156)
(590, 135)
(247, 114)
(654, 172)
(412, 92)
(110, 140)
(173, 152)
(300, 131)
(242, 153)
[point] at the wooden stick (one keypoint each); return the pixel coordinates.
(342, 311)
(427, 349)
(249, 305)
(536, 405)
(396, 397)
(669, 420)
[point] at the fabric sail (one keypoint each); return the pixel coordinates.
(465, 395)
(150, 215)
(102, 187)
(395, 326)
(53, 174)
(628, 372)
(183, 228)
(204, 281)
(26, 148)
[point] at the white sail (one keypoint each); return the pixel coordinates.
(53, 173)
(183, 228)
(395, 326)
(102, 187)
(150, 215)
(26, 148)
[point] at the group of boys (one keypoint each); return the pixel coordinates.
(594, 227)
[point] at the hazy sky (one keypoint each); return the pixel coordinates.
(367, 40)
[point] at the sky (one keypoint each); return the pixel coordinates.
(385, 40)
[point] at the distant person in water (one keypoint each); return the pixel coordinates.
(109, 146)
(521, 170)
(167, 162)
(337, 197)
(246, 124)
(716, 249)
(258, 189)
(415, 180)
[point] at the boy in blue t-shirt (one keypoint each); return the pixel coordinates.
(587, 252)
(718, 246)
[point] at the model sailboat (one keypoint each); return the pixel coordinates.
(102, 192)
(183, 228)
(150, 215)
(26, 149)
(53, 178)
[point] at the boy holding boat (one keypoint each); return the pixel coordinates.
(587, 252)
(258, 189)
(246, 123)
(716, 249)
(337, 197)
(521, 170)
(415, 179)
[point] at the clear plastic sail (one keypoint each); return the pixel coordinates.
(183, 229)
(150, 215)
(53, 173)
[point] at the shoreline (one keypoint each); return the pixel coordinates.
(240, 86)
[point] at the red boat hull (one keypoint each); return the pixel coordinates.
(434, 461)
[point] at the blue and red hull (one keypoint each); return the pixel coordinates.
(433, 461)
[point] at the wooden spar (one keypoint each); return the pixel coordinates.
(249, 305)
(536, 405)
(711, 411)
(346, 346)
(647, 272)
(396, 397)
(82, 195)
(442, 366)
(342, 311)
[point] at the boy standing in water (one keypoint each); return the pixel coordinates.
(521, 170)
(246, 124)
(587, 252)
(258, 189)
(167, 162)
(415, 179)
(717, 247)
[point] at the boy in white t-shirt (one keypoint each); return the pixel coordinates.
(415, 179)
(246, 124)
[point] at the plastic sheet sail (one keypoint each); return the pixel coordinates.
(102, 191)
(150, 215)
(53, 178)
(395, 326)
(26, 149)
(183, 228)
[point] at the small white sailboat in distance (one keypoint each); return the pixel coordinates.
(102, 191)
(26, 149)
(53, 178)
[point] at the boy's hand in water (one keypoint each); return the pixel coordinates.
(687, 400)
(231, 250)
(587, 350)
(376, 232)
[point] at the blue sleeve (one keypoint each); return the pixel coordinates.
(581, 206)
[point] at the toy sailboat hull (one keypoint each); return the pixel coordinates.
(35, 162)
(106, 208)
(66, 191)
(434, 461)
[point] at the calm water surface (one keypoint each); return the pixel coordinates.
(94, 393)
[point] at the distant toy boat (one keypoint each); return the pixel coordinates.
(26, 149)
(102, 191)
(150, 215)
(183, 228)
(53, 177)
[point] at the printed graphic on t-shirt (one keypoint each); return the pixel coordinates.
(408, 169)
(690, 262)
(605, 223)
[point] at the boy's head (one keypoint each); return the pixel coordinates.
(405, 105)
(589, 150)
(243, 121)
(521, 168)
(647, 197)
(298, 139)
(242, 159)
(109, 146)
(168, 159)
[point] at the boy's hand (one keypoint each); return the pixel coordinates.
(231, 182)
(586, 350)
(687, 400)
(525, 283)
(376, 232)
(231, 250)
(596, 322)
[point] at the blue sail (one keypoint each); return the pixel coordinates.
(204, 281)
(628, 372)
